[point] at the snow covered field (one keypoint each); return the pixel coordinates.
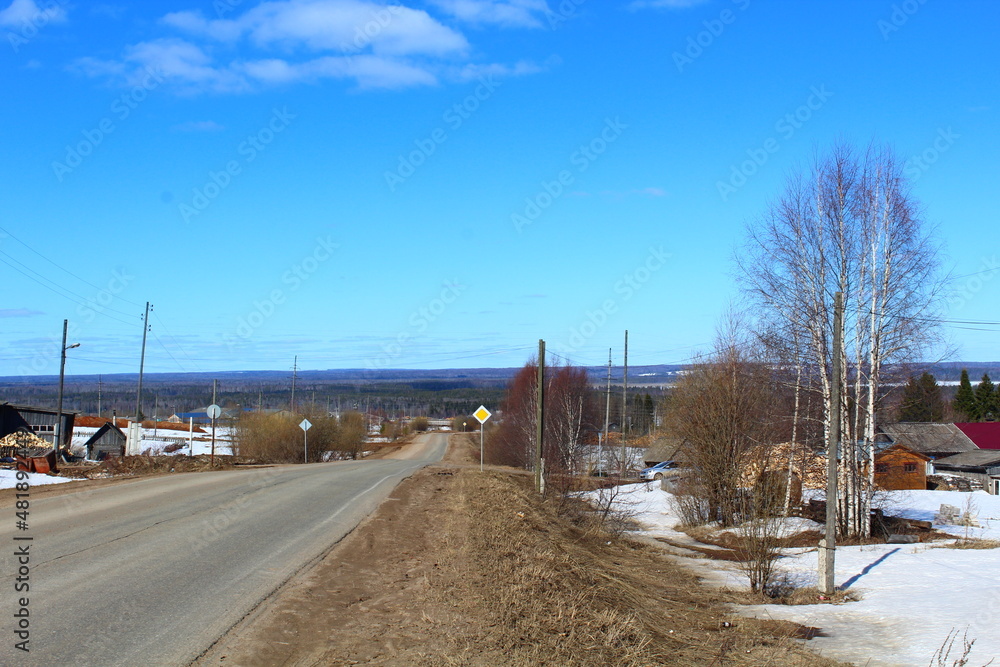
(912, 595)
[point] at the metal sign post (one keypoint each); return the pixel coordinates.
(214, 411)
(481, 415)
(305, 425)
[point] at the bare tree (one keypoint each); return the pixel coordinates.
(570, 418)
(849, 225)
(723, 409)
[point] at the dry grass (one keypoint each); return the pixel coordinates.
(970, 543)
(560, 594)
(121, 466)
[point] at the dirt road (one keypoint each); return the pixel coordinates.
(153, 572)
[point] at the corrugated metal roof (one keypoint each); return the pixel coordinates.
(928, 438)
(986, 435)
(979, 458)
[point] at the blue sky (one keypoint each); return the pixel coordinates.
(442, 183)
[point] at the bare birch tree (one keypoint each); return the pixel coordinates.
(851, 225)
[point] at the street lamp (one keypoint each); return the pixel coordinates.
(62, 374)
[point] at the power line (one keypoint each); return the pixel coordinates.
(54, 290)
(58, 266)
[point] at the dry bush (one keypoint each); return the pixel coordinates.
(942, 656)
(350, 441)
(690, 503)
(420, 424)
(393, 430)
(279, 439)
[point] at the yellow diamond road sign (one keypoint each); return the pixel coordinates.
(482, 414)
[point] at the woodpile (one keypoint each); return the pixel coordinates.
(17, 443)
(807, 465)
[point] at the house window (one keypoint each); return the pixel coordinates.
(909, 467)
(881, 467)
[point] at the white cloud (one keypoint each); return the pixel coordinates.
(472, 72)
(282, 42)
(26, 11)
(505, 13)
(329, 25)
(19, 312)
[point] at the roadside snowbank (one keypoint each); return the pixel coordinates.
(8, 479)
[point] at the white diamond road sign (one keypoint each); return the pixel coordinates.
(305, 425)
(482, 414)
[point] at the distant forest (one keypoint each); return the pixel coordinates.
(435, 394)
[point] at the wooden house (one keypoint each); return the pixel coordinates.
(981, 465)
(929, 439)
(109, 440)
(899, 468)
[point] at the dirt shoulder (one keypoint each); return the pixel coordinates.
(459, 567)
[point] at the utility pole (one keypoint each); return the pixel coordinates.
(215, 390)
(100, 385)
(295, 370)
(607, 415)
(539, 415)
(828, 545)
(57, 431)
(142, 363)
(624, 402)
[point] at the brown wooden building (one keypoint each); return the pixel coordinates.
(899, 468)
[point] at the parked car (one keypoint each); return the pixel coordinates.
(656, 472)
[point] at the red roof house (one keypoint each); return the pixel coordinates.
(986, 435)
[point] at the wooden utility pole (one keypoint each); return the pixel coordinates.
(828, 545)
(539, 415)
(142, 363)
(295, 370)
(624, 403)
(607, 415)
(100, 385)
(57, 431)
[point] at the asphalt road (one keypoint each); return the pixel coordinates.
(153, 572)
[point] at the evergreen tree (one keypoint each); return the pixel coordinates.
(922, 400)
(965, 399)
(986, 400)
